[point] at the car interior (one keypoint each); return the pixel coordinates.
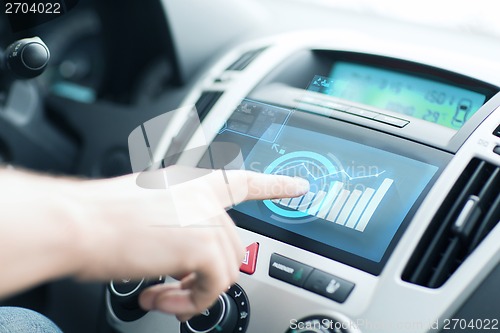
(391, 111)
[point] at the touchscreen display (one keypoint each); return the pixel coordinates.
(436, 102)
(359, 195)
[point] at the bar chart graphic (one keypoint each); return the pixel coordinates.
(336, 195)
(352, 209)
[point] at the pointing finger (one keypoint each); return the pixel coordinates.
(235, 186)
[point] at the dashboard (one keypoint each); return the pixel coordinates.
(400, 226)
(396, 128)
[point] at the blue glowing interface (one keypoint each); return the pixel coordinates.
(359, 194)
(417, 97)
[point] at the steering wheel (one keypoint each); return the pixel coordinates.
(47, 131)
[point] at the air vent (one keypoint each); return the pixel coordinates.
(206, 101)
(245, 60)
(468, 214)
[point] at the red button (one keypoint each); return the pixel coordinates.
(250, 261)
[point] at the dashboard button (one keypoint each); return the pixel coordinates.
(337, 106)
(391, 120)
(496, 132)
(329, 286)
(362, 113)
(288, 270)
(496, 150)
(250, 261)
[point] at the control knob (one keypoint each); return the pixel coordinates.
(124, 297)
(229, 314)
(26, 58)
(220, 318)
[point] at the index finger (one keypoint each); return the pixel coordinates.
(235, 186)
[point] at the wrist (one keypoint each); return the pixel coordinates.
(99, 213)
(71, 218)
(84, 214)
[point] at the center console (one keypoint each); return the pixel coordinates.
(401, 221)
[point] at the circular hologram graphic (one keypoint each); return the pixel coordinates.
(316, 168)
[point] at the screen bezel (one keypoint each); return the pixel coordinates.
(298, 70)
(370, 138)
(308, 63)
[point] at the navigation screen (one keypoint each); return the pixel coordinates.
(421, 98)
(359, 195)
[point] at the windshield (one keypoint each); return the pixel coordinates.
(477, 17)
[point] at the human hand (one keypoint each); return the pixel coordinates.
(183, 231)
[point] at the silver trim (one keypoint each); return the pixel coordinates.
(222, 313)
(112, 286)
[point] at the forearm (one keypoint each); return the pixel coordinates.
(54, 227)
(38, 231)
(107, 229)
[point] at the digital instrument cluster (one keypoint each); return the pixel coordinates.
(418, 97)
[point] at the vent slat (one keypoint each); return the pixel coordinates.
(437, 244)
(465, 191)
(442, 271)
(206, 101)
(245, 60)
(491, 219)
(421, 272)
(469, 212)
(491, 186)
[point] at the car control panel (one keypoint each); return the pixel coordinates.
(402, 153)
